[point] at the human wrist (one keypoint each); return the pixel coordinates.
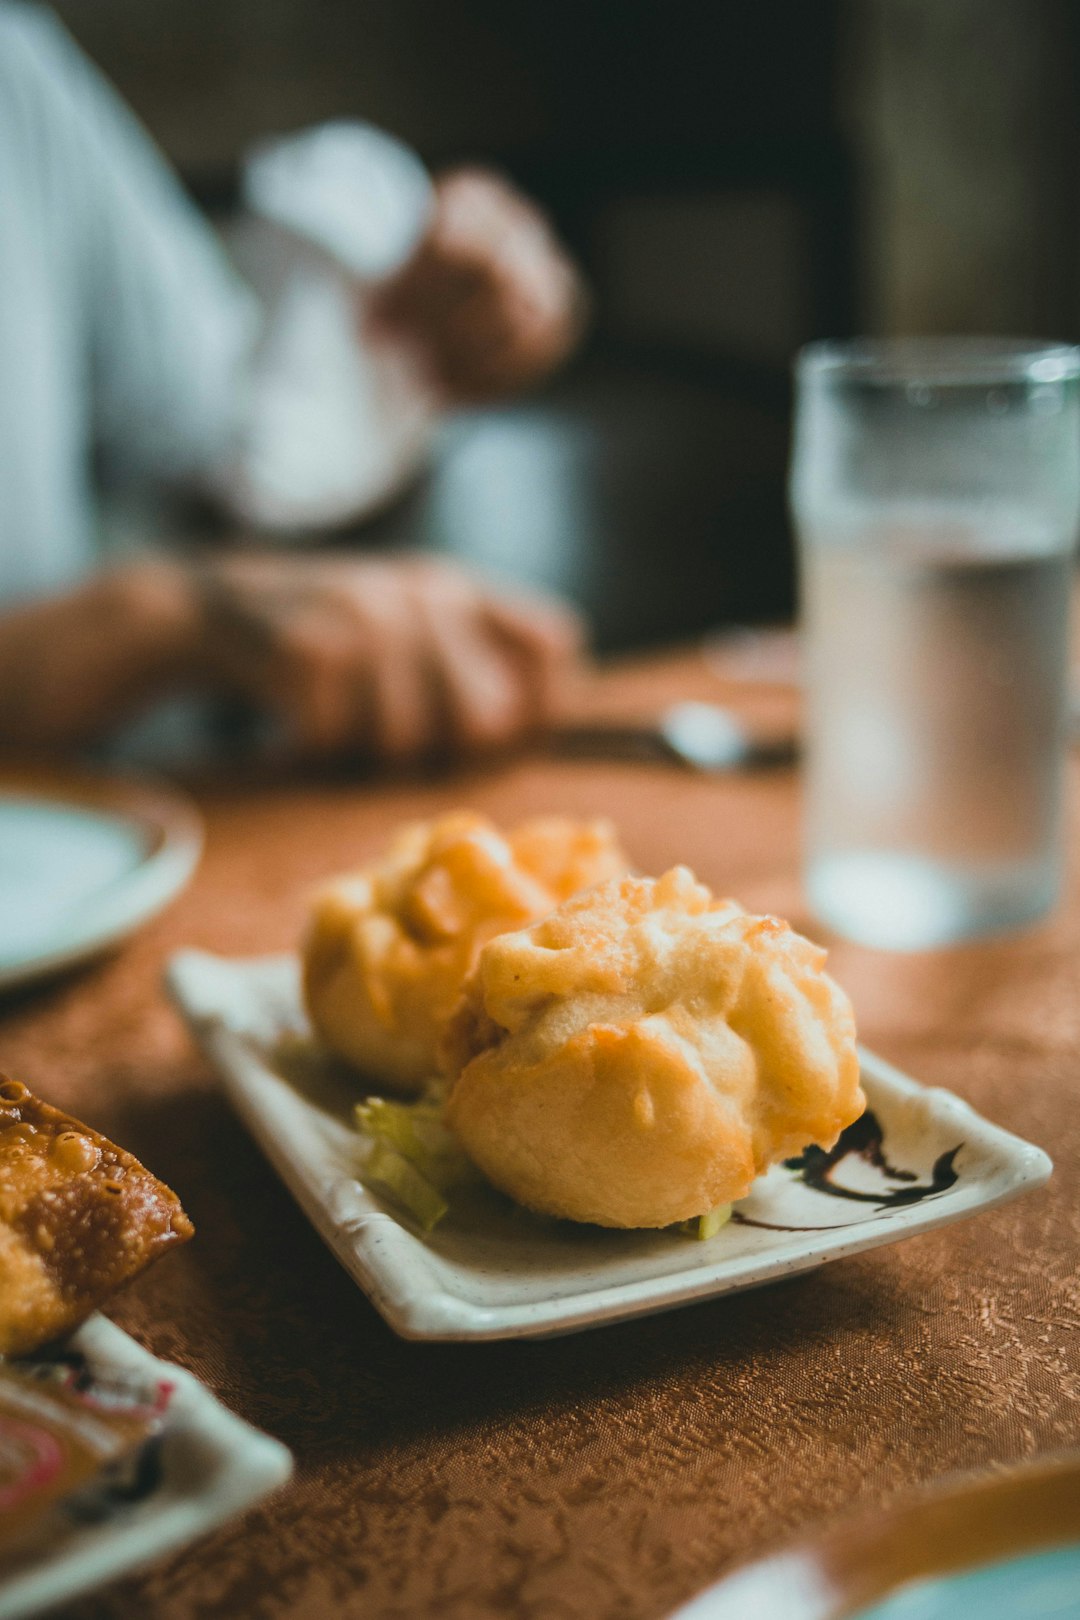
(153, 605)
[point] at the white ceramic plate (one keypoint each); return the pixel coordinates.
(205, 1467)
(84, 860)
(918, 1159)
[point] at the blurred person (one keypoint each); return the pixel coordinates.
(127, 336)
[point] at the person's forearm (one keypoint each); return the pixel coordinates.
(72, 666)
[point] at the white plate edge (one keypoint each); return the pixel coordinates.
(156, 881)
(249, 1465)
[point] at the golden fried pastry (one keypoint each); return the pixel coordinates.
(78, 1217)
(640, 1055)
(389, 947)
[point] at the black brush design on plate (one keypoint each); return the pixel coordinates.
(864, 1139)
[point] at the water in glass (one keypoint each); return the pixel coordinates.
(937, 644)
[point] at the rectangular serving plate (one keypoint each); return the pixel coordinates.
(919, 1159)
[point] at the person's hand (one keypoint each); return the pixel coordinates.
(489, 297)
(389, 660)
(395, 660)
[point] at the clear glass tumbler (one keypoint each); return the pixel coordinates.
(935, 486)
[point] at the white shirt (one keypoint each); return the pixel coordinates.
(126, 333)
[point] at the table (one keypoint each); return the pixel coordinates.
(612, 1473)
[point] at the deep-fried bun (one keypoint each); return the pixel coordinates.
(389, 947)
(640, 1055)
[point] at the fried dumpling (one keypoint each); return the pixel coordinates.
(640, 1055)
(389, 947)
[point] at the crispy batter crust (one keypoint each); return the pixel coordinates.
(78, 1217)
(389, 947)
(640, 1055)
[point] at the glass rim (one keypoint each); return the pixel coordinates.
(937, 361)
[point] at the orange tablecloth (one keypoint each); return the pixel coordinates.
(611, 1473)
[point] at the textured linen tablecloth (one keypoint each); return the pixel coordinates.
(614, 1472)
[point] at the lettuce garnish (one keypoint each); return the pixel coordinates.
(414, 1157)
(420, 1164)
(706, 1226)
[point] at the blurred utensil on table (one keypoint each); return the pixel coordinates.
(702, 737)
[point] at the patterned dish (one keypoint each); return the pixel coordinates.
(203, 1467)
(917, 1159)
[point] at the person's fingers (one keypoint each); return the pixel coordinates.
(546, 641)
(316, 683)
(331, 651)
(487, 346)
(402, 717)
(474, 209)
(477, 684)
(490, 294)
(295, 653)
(394, 660)
(239, 647)
(516, 262)
(519, 321)
(427, 292)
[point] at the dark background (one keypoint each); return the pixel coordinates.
(736, 178)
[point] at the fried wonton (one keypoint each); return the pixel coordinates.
(78, 1217)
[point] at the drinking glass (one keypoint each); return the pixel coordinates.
(935, 486)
